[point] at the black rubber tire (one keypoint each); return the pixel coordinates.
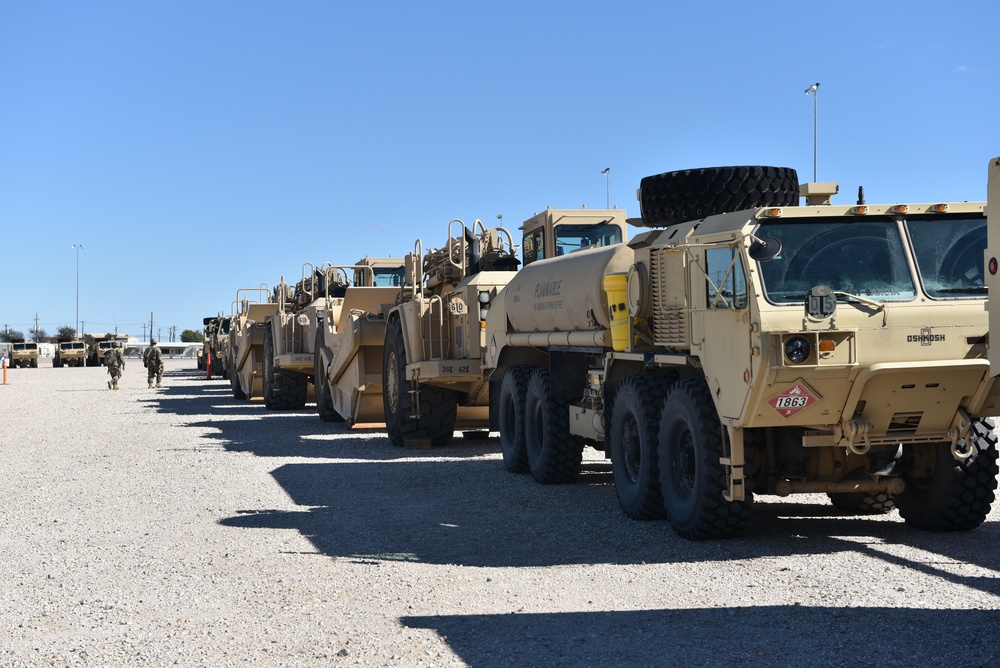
(862, 503)
(632, 444)
(692, 478)
(34, 363)
(438, 406)
(511, 420)
(554, 455)
(957, 495)
(283, 390)
(217, 370)
(324, 402)
(690, 194)
(234, 377)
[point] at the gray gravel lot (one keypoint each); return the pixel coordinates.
(180, 527)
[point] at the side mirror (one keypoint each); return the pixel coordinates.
(764, 249)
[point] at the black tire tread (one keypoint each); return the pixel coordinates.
(554, 456)
(639, 399)
(675, 197)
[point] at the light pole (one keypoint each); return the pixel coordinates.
(814, 89)
(77, 247)
(607, 175)
(500, 218)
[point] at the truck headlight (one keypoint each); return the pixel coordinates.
(797, 350)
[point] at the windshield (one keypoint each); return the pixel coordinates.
(571, 237)
(388, 276)
(949, 253)
(858, 258)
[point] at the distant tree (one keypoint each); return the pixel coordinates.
(9, 335)
(192, 336)
(39, 335)
(67, 332)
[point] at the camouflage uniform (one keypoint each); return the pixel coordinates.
(115, 362)
(153, 359)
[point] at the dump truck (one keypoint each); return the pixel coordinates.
(432, 375)
(251, 309)
(349, 322)
(23, 354)
(99, 348)
(70, 352)
(745, 344)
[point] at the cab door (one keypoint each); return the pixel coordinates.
(725, 334)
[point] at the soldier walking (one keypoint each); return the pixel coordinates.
(153, 359)
(115, 362)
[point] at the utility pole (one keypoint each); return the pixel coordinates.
(150, 324)
(143, 332)
(36, 326)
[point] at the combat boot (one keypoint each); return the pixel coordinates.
(150, 384)
(116, 384)
(159, 384)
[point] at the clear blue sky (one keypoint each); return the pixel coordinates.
(195, 147)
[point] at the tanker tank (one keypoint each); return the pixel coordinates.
(564, 294)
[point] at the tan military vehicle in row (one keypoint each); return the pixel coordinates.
(349, 319)
(434, 338)
(23, 354)
(992, 259)
(245, 366)
(70, 353)
(99, 348)
(753, 346)
(216, 333)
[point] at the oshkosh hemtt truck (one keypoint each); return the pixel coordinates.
(753, 346)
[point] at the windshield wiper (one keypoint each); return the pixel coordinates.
(971, 290)
(878, 306)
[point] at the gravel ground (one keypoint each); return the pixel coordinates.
(180, 527)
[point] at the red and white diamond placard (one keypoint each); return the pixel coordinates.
(792, 400)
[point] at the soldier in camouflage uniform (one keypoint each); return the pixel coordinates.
(115, 362)
(153, 359)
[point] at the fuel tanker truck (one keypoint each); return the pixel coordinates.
(744, 345)
(432, 373)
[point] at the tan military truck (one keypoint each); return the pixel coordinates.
(433, 380)
(349, 320)
(23, 354)
(70, 353)
(99, 348)
(749, 345)
(251, 309)
(289, 336)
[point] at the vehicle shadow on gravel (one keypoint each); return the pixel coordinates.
(789, 635)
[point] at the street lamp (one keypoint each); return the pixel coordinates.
(500, 218)
(77, 247)
(607, 175)
(814, 89)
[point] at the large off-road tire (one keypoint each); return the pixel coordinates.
(513, 390)
(34, 363)
(217, 370)
(438, 406)
(283, 390)
(554, 455)
(862, 503)
(692, 478)
(324, 402)
(955, 495)
(56, 363)
(690, 194)
(632, 442)
(234, 377)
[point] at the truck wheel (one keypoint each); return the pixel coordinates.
(632, 442)
(34, 363)
(511, 409)
(324, 402)
(953, 495)
(692, 479)
(217, 370)
(862, 503)
(234, 380)
(690, 194)
(438, 407)
(554, 455)
(283, 390)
